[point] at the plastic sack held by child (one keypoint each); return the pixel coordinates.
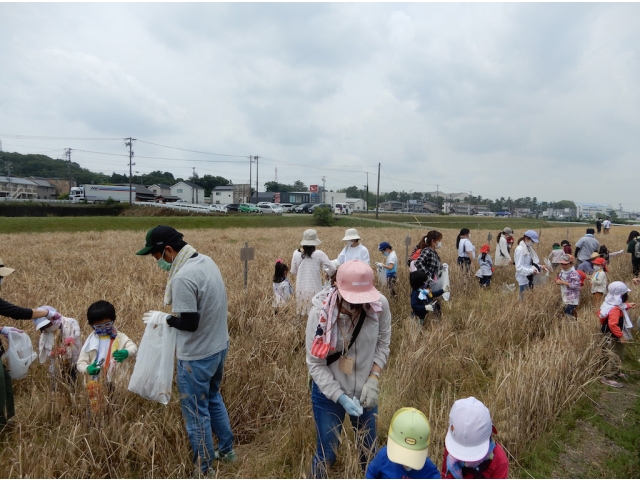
(152, 376)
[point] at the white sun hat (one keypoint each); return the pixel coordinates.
(351, 234)
(310, 237)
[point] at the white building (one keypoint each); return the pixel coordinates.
(333, 197)
(592, 209)
(222, 195)
(357, 204)
(188, 191)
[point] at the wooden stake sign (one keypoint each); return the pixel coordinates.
(246, 254)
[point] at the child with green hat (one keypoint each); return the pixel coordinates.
(405, 455)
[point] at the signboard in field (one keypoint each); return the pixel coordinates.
(313, 188)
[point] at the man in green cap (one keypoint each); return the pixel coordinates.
(198, 298)
(407, 450)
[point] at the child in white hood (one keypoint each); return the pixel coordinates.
(60, 343)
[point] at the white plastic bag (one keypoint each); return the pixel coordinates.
(152, 376)
(443, 282)
(19, 355)
(382, 277)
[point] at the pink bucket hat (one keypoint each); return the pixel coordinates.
(355, 282)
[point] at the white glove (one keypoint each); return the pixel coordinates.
(369, 395)
(446, 296)
(5, 330)
(378, 264)
(428, 308)
(153, 319)
(52, 312)
(445, 266)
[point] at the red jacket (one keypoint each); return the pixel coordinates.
(496, 468)
(614, 321)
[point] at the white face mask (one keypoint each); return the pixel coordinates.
(528, 243)
(597, 268)
(350, 243)
(438, 245)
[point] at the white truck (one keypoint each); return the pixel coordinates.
(101, 193)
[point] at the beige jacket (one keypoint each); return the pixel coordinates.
(89, 352)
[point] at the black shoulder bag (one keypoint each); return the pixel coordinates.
(335, 356)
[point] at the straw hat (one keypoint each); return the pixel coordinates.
(4, 270)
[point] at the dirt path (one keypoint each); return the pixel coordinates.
(599, 440)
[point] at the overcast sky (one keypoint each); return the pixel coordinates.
(496, 99)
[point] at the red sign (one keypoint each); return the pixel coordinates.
(313, 188)
(276, 198)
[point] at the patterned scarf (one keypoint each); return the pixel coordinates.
(182, 257)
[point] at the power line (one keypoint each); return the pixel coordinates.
(193, 151)
(42, 137)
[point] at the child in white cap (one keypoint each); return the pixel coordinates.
(353, 250)
(59, 343)
(470, 450)
(407, 450)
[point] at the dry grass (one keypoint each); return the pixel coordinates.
(525, 361)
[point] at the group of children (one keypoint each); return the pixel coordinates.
(60, 345)
(471, 450)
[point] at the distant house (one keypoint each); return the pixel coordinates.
(223, 194)
(18, 188)
(188, 191)
(430, 207)
(143, 194)
(391, 206)
(357, 204)
(45, 189)
(161, 189)
(62, 185)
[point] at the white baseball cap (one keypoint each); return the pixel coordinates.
(470, 429)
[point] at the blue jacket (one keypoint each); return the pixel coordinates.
(382, 467)
(418, 305)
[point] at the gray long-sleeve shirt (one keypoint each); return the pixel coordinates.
(371, 346)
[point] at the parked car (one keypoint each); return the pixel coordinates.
(218, 208)
(259, 204)
(320, 205)
(286, 207)
(232, 207)
(271, 208)
(303, 208)
(342, 209)
(248, 208)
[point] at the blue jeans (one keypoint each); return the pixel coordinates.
(203, 408)
(329, 416)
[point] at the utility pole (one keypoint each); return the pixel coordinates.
(250, 169)
(324, 194)
(257, 157)
(193, 189)
(438, 196)
(378, 192)
(67, 152)
(8, 165)
(366, 202)
(129, 143)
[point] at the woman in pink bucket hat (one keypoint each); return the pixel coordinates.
(348, 336)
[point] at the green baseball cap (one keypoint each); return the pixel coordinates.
(408, 441)
(159, 237)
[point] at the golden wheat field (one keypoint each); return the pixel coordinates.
(524, 360)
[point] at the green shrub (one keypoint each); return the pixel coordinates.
(324, 217)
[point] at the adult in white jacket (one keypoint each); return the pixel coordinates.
(524, 259)
(306, 264)
(503, 257)
(353, 250)
(347, 338)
